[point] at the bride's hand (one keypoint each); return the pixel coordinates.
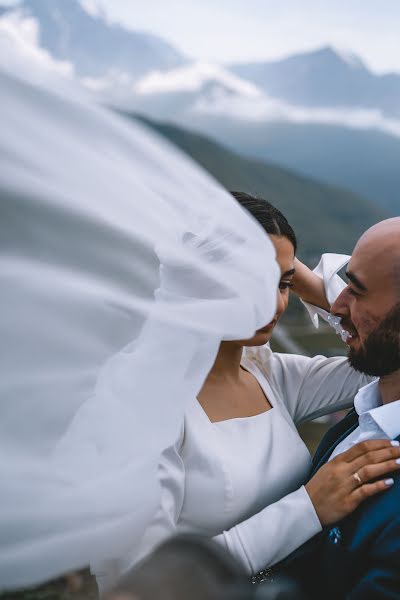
(308, 286)
(340, 486)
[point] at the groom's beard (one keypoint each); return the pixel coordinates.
(380, 354)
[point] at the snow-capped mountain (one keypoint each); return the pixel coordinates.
(140, 71)
(78, 32)
(326, 77)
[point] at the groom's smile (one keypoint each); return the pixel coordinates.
(369, 298)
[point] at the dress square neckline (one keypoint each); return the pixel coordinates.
(235, 419)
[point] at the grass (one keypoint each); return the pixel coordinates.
(76, 586)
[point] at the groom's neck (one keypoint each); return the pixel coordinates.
(389, 387)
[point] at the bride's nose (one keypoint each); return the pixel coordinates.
(280, 305)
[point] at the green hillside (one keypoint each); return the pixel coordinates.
(364, 161)
(325, 218)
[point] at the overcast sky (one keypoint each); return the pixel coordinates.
(240, 30)
(226, 30)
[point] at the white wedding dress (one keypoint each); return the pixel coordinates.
(241, 480)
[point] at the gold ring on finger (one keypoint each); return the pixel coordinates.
(357, 478)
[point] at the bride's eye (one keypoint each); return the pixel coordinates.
(285, 285)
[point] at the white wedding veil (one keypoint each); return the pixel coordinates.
(122, 266)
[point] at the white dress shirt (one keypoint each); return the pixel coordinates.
(377, 421)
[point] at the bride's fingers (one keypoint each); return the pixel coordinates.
(376, 457)
(363, 448)
(342, 484)
(371, 472)
(370, 489)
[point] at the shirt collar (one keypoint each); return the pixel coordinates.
(368, 397)
(386, 416)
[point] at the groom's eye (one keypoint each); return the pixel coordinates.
(353, 292)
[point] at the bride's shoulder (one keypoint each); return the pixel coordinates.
(275, 366)
(258, 356)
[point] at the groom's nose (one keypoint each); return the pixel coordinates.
(340, 306)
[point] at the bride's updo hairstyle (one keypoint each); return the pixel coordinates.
(269, 217)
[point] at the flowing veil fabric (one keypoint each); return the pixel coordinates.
(122, 266)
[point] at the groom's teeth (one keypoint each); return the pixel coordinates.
(334, 322)
(345, 335)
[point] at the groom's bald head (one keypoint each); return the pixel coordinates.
(380, 246)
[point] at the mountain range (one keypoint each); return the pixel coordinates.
(325, 78)
(341, 215)
(363, 160)
(322, 113)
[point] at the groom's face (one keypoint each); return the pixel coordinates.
(370, 306)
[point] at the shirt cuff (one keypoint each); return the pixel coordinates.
(327, 269)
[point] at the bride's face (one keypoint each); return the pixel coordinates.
(285, 258)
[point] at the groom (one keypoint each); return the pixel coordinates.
(359, 557)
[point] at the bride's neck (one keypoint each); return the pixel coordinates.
(227, 363)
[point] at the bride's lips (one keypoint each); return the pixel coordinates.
(268, 327)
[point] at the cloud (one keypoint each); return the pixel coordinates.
(192, 78)
(213, 89)
(21, 55)
(95, 9)
(265, 108)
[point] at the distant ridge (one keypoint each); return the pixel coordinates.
(325, 77)
(325, 218)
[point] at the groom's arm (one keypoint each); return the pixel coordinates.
(382, 581)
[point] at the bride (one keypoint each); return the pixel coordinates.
(237, 470)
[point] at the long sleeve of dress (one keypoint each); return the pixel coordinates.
(261, 540)
(307, 387)
(272, 534)
(311, 387)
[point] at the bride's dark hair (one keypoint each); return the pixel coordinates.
(269, 217)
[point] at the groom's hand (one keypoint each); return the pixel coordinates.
(340, 486)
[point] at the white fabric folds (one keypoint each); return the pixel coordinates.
(327, 269)
(122, 266)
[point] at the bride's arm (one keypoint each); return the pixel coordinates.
(272, 534)
(312, 387)
(319, 288)
(309, 286)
